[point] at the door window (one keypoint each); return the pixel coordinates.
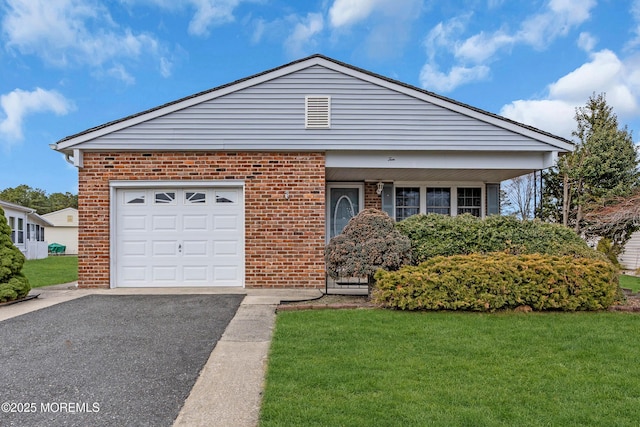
(344, 204)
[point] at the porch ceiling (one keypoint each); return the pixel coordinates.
(387, 174)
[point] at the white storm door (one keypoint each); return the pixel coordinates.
(179, 237)
(344, 202)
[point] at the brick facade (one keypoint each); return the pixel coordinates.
(372, 200)
(284, 238)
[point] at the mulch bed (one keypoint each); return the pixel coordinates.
(632, 304)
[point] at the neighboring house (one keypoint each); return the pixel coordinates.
(64, 229)
(243, 184)
(630, 258)
(27, 230)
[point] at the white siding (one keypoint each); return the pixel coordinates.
(630, 258)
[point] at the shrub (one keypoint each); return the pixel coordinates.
(369, 242)
(610, 250)
(13, 284)
(440, 235)
(499, 281)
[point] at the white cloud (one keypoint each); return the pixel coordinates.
(207, 14)
(118, 71)
(537, 31)
(304, 31)
(561, 16)
(435, 80)
(348, 12)
(587, 42)
(17, 105)
(211, 13)
(481, 47)
(635, 14)
(554, 116)
(72, 32)
(604, 73)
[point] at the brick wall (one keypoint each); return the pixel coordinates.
(372, 200)
(284, 238)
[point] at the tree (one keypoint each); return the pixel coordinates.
(603, 165)
(369, 242)
(521, 195)
(38, 199)
(13, 284)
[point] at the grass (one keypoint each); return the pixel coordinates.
(52, 270)
(630, 282)
(393, 368)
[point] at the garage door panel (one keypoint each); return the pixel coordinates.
(226, 223)
(195, 248)
(225, 248)
(228, 273)
(195, 223)
(179, 237)
(164, 248)
(164, 273)
(195, 273)
(132, 274)
(132, 248)
(165, 223)
(134, 222)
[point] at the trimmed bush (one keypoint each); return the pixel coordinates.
(368, 242)
(488, 282)
(13, 285)
(440, 235)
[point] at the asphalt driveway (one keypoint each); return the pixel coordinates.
(105, 360)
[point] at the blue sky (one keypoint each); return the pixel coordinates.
(68, 65)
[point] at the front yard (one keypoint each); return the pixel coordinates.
(383, 367)
(53, 270)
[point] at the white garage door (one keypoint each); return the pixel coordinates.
(179, 237)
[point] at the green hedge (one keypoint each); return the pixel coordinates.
(499, 281)
(434, 235)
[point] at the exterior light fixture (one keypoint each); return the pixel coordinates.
(379, 187)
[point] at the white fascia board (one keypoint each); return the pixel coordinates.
(437, 160)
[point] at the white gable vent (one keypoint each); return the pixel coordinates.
(317, 112)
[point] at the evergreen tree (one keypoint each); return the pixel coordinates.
(603, 165)
(13, 284)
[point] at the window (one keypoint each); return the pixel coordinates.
(20, 230)
(226, 196)
(469, 201)
(191, 197)
(407, 202)
(12, 226)
(439, 200)
(134, 197)
(165, 197)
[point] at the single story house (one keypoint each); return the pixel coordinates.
(243, 185)
(27, 230)
(63, 229)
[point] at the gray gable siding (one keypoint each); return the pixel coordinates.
(363, 116)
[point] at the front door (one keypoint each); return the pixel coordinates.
(345, 202)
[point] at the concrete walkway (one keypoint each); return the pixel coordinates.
(229, 389)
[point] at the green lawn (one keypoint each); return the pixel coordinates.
(630, 282)
(53, 270)
(393, 368)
